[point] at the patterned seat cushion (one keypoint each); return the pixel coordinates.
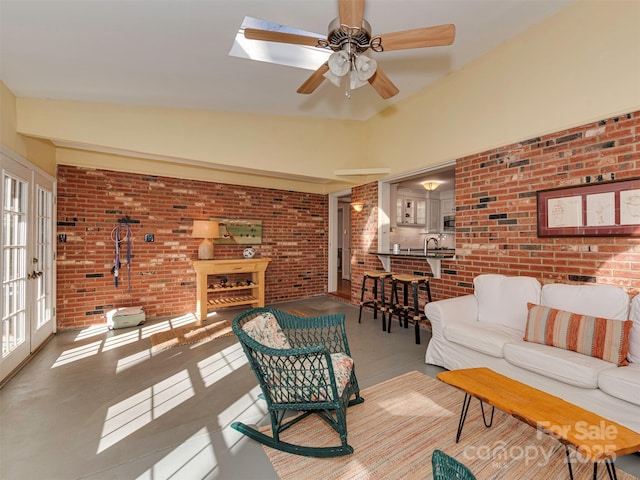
(342, 367)
(266, 330)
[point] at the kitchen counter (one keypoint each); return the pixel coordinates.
(433, 257)
(419, 253)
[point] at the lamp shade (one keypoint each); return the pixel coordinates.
(334, 79)
(365, 67)
(205, 229)
(355, 81)
(339, 63)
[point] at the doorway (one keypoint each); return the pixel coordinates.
(339, 281)
(27, 310)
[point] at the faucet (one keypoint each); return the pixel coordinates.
(426, 243)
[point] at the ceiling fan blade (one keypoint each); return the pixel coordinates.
(383, 85)
(314, 80)
(350, 12)
(419, 37)
(281, 37)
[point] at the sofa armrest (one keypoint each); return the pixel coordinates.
(457, 309)
(443, 312)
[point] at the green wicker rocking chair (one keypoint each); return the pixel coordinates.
(448, 468)
(302, 364)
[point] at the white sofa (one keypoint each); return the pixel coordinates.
(487, 329)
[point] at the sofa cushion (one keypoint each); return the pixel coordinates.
(622, 383)
(565, 366)
(481, 337)
(604, 301)
(598, 337)
(503, 300)
(634, 336)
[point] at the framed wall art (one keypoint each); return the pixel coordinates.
(599, 209)
(239, 231)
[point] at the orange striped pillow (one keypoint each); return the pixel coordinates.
(598, 337)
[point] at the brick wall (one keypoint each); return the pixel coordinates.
(496, 218)
(496, 227)
(364, 236)
(91, 201)
(496, 206)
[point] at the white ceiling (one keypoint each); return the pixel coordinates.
(174, 53)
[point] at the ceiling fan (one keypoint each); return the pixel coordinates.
(349, 37)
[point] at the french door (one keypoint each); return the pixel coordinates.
(27, 311)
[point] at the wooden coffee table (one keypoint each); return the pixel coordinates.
(595, 437)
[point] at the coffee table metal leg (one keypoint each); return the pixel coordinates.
(484, 419)
(463, 415)
(611, 469)
(566, 449)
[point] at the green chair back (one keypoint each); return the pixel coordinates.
(448, 468)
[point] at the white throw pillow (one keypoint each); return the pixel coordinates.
(605, 301)
(634, 336)
(503, 300)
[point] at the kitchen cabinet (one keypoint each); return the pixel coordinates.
(433, 215)
(420, 212)
(411, 211)
(447, 206)
(447, 211)
(414, 209)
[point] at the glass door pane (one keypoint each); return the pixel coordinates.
(14, 254)
(42, 264)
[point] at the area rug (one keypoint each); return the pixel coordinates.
(395, 431)
(190, 334)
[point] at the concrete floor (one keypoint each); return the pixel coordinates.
(97, 404)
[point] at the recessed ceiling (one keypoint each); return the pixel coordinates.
(175, 53)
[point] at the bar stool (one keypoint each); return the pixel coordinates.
(405, 310)
(377, 303)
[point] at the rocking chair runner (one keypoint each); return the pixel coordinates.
(302, 364)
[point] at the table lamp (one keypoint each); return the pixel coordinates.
(207, 230)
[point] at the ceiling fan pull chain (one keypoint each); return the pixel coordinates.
(347, 80)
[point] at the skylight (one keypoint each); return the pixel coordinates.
(300, 56)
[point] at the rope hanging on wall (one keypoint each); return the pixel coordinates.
(117, 238)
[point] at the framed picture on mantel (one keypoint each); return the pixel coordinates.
(599, 209)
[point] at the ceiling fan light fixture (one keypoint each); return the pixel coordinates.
(339, 63)
(355, 81)
(334, 79)
(365, 67)
(431, 185)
